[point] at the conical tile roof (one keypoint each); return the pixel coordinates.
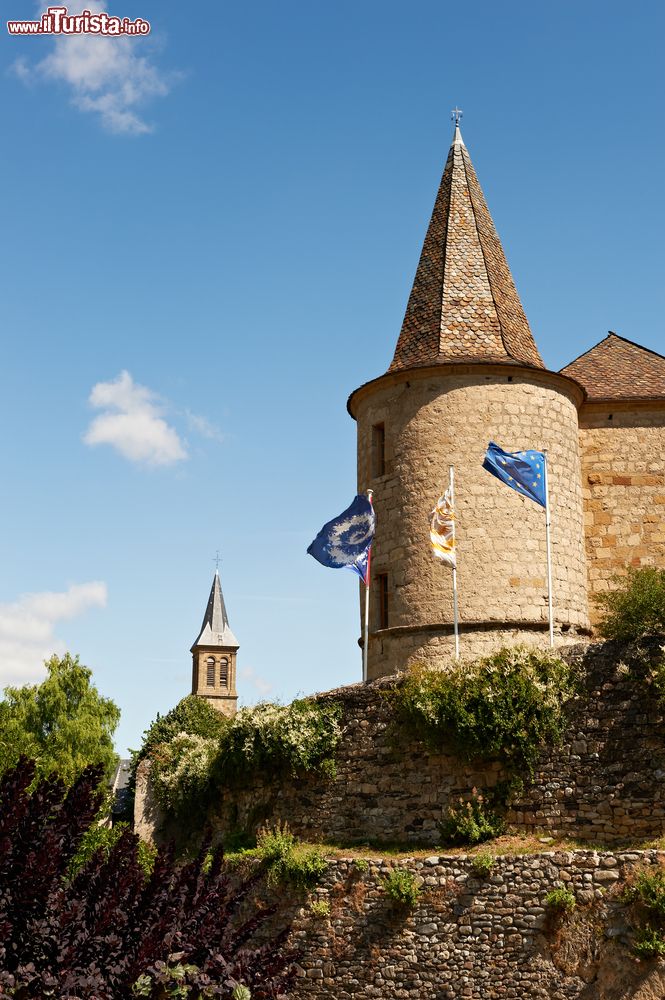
(215, 629)
(463, 305)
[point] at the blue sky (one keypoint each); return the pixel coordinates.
(231, 212)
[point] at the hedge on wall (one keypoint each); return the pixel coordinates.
(505, 706)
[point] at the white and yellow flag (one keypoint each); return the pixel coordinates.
(442, 531)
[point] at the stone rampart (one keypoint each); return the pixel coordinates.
(477, 938)
(605, 783)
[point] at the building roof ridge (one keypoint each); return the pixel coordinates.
(618, 368)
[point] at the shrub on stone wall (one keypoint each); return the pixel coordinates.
(282, 859)
(181, 770)
(482, 864)
(636, 607)
(189, 769)
(560, 900)
(401, 887)
(646, 892)
(111, 931)
(506, 706)
(191, 715)
(470, 821)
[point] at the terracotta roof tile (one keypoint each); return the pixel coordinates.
(463, 305)
(619, 369)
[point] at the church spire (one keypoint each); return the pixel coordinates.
(215, 629)
(463, 305)
(214, 655)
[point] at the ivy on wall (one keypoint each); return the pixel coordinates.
(505, 707)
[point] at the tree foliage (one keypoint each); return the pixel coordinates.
(192, 715)
(190, 766)
(636, 607)
(63, 724)
(110, 932)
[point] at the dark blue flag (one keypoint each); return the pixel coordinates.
(523, 471)
(346, 540)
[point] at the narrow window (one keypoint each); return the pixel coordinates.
(210, 667)
(382, 588)
(378, 450)
(224, 672)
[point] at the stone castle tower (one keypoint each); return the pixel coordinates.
(466, 370)
(214, 655)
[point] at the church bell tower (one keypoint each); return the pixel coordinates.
(214, 656)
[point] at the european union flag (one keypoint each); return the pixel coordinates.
(523, 471)
(346, 540)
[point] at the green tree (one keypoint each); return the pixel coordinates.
(63, 724)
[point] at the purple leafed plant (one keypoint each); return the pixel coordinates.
(112, 933)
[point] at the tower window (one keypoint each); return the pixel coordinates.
(224, 672)
(378, 450)
(382, 588)
(210, 670)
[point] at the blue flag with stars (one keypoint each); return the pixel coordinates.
(523, 471)
(346, 540)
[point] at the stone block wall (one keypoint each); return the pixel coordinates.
(471, 938)
(605, 783)
(436, 418)
(623, 480)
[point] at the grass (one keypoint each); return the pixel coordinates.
(507, 845)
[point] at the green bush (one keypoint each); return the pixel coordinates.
(470, 821)
(636, 607)
(648, 888)
(505, 706)
(97, 837)
(649, 943)
(401, 887)
(268, 738)
(285, 861)
(192, 715)
(482, 864)
(181, 770)
(560, 900)
(191, 764)
(320, 908)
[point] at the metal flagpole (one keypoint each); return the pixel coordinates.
(549, 549)
(451, 472)
(367, 583)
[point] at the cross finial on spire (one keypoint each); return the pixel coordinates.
(456, 116)
(217, 560)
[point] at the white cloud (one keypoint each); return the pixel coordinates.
(203, 426)
(133, 423)
(104, 74)
(261, 686)
(27, 629)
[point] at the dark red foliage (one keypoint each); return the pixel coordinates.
(92, 938)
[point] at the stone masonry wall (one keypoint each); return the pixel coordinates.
(475, 938)
(434, 419)
(623, 480)
(605, 783)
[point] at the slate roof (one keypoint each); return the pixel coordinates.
(215, 630)
(463, 305)
(617, 368)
